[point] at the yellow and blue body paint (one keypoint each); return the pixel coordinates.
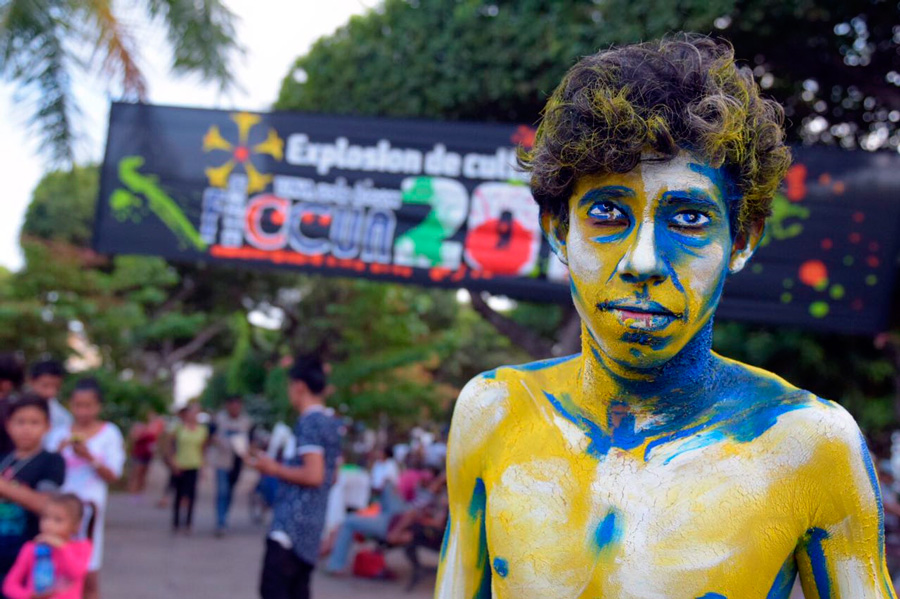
(647, 465)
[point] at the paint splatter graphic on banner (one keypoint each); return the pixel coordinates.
(845, 259)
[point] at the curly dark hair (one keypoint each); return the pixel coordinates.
(681, 92)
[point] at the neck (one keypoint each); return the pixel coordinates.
(310, 403)
(27, 452)
(666, 393)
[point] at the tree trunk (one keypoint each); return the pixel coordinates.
(174, 356)
(535, 345)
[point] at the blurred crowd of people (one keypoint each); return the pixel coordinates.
(326, 499)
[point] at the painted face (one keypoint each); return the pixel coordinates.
(648, 252)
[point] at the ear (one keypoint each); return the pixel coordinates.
(745, 245)
(555, 232)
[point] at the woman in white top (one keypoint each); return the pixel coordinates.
(95, 455)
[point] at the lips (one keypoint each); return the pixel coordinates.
(643, 316)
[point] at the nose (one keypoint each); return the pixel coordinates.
(642, 262)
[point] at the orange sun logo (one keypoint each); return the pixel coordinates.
(241, 152)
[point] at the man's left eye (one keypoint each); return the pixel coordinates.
(690, 219)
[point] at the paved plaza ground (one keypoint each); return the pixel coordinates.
(144, 561)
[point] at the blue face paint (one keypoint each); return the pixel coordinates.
(742, 413)
(814, 546)
(609, 532)
(576, 297)
(477, 512)
(531, 367)
(876, 488)
(501, 567)
(713, 596)
(606, 193)
(784, 581)
(731, 194)
(542, 364)
(648, 253)
(645, 339)
(446, 540)
(603, 208)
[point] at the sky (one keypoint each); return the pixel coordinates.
(273, 34)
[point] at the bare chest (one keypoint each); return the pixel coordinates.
(680, 521)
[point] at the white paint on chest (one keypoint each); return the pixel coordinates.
(679, 519)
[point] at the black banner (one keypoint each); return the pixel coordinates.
(442, 204)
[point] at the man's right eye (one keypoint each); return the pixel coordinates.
(606, 213)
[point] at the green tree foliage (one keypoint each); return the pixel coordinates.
(44, 43)
(141, 313)
(834, 65)
(70, 221)
(398, 354)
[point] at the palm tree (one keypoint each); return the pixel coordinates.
(42, 43)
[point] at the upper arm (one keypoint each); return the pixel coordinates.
(841, 555)
(315, 438)
(313, 468)
(114, 457)
(465, 571)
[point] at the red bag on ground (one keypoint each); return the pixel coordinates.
(370, 564)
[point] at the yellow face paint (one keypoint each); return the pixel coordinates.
(648, 252)
(648, 466)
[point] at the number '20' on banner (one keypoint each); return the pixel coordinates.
(443, 204)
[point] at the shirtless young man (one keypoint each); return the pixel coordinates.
(648, 466)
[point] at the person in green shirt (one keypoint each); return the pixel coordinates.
(185, 459)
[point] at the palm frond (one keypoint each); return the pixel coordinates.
(203, 37)
(116, 47)
(34, 57)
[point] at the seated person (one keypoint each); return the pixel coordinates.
(422, 526)
(647, 465)
(369, 525)
(428, 511)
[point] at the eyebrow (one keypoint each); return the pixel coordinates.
(693, 197)
(609, 192)
(722, 181)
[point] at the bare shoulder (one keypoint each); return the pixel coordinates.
(810, 419)
(492, 397)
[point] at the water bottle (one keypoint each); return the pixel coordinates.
(43, 573)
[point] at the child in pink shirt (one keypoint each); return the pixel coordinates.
(60, 522)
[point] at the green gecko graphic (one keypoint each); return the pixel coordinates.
(125, 204)
(782, 210)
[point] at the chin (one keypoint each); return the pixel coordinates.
(634, 348)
